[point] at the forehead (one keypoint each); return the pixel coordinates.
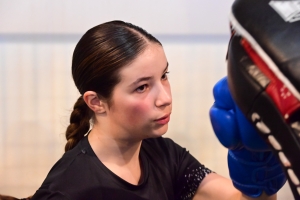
(152, 61)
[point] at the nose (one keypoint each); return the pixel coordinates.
(164, 97)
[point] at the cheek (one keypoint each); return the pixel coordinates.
(136, 112)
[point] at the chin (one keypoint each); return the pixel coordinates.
(160, 131)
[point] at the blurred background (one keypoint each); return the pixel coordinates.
(37, 93)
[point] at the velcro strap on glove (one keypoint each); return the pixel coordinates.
(255, 172)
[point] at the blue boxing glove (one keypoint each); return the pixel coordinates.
(252, 166)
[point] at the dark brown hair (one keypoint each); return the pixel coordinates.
(97, 59)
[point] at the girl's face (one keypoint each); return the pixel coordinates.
(141, 102)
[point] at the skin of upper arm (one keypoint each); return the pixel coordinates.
(216, 187)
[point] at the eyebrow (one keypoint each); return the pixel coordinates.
(148, 77)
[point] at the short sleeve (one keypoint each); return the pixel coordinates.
(188, 170)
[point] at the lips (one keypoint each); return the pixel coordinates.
(163, 120)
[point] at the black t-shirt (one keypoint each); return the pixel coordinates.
(169, 172)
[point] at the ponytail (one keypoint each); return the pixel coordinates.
(79, 124)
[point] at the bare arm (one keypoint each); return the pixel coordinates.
(216, 187)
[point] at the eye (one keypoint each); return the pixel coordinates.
(165, 76)
(141, 88)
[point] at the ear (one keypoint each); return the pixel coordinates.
(94, 102)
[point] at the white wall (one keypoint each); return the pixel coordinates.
(76, 16)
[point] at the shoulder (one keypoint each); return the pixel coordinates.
(69, 166)
(186, 171)
(69, 158)
(166, 149)
(163, 147)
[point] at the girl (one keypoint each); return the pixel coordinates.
(115, 148)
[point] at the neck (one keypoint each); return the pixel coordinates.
(121, 156)
(108, 148)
